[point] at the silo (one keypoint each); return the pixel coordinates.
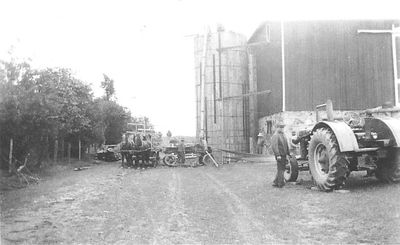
(226, 80)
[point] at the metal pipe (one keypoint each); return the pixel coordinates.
(329, 110)
(214, 91)
(202, 89)
(283, 67)
(220, 86)
(396, 79)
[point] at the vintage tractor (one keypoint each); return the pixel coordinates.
(337, 147)
(197, 151)
(171, 155)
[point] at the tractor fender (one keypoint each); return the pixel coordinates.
(386, 128)
(346, 139)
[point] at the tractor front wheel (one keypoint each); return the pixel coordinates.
(388, 169)
(292, 170)
(327, 164)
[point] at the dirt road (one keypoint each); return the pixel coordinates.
(233, 204)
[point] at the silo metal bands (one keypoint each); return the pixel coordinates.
(225, 80)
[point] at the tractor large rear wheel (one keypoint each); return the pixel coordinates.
(389, 168)
(327, 164)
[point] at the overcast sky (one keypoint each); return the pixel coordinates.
(145, 46)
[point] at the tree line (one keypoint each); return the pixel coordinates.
(47, 113)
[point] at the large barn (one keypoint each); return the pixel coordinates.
(354, 63)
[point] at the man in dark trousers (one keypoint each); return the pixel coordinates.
(181, 152)
(280, 148)
(146, 146)
(126, 145)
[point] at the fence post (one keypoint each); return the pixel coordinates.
(79, 148)
(69, 152)
(10, 156)
(62, 149)
(55, 150)
(47, 149)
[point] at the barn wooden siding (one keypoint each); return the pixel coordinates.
(326, 59)
(269, 68)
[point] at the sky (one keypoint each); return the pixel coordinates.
(146, 47)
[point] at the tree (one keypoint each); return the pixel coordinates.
(39, 106)
(110, 121)
(108, 86)
(169, 134)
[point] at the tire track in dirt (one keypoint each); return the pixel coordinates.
(149, 212)
(174, 224)
(250, 228)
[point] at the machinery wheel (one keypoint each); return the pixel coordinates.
(292, 170)
(207, 160)
(170, 160)
(389, 168)
(327, 164)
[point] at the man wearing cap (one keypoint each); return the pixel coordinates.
(280, 148)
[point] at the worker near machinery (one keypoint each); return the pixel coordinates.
(260, 143)
(181, 151)
(137, 147)
(126, 145)
(280, 148)
(303, 138)
(146, 146)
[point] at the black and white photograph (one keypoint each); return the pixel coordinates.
(199, 122)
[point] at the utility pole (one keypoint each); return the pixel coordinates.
(220, 29)
(202, 88)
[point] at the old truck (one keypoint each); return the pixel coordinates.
(108, 153)
(334, 148)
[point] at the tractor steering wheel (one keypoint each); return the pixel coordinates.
(352, 118)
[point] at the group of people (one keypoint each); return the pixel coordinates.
(140, 145)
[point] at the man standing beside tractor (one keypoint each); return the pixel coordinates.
(280, 148)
